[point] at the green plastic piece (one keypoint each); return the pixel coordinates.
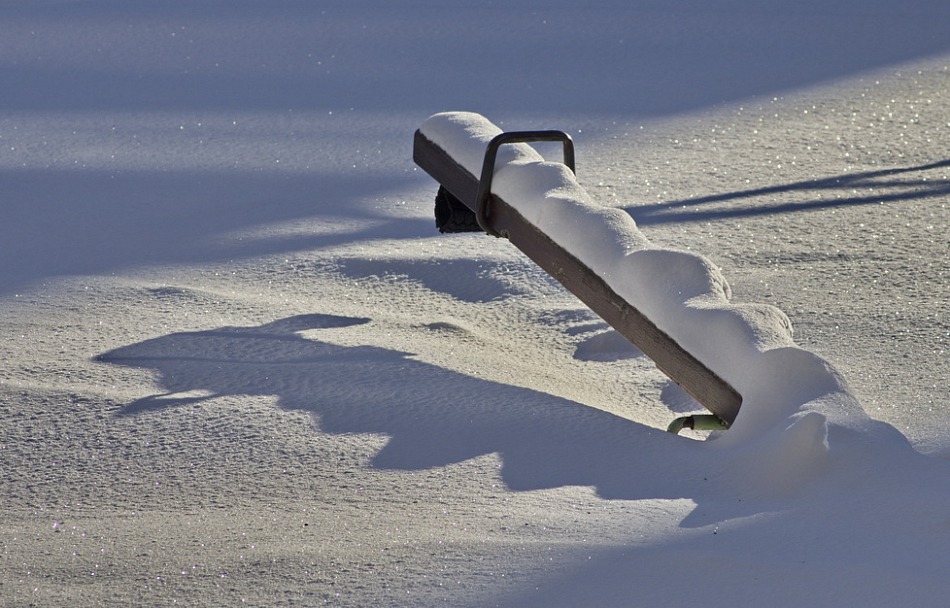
(698, 422)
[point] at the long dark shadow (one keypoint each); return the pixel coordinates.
(684, 210)
(62, 223)
(432, 416)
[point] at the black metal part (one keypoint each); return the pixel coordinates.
(482, 198)
(451, 214)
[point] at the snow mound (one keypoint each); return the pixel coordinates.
(684, 294)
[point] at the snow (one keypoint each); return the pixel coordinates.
(240, 364)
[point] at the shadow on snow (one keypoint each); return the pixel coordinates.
(433, 416)
(59, 222)
(875, 186)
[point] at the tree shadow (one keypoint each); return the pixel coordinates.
(432, 416)
(884, 191)
(60, 223)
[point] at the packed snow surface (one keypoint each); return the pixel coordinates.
(240, 365)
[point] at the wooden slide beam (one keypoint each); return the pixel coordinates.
(707, 388)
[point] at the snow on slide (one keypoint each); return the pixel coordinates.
(685, 295)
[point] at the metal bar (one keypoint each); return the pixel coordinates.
(482, 198)
(707, 388)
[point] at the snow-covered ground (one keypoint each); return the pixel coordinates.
(240, 365)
